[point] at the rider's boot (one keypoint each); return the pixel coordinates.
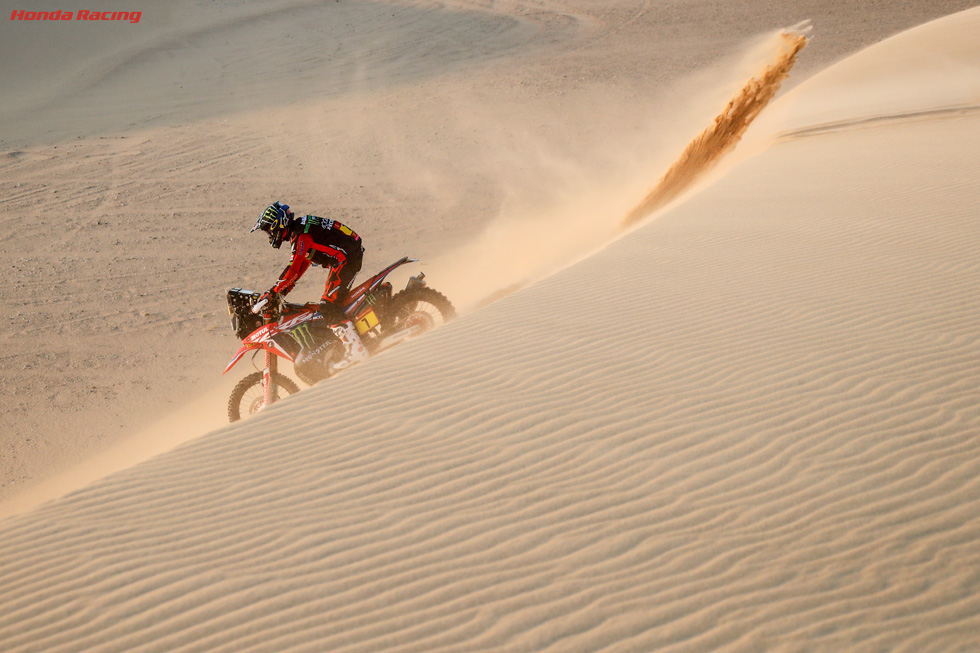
(354, 350)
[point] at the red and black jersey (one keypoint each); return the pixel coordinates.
(323, 242)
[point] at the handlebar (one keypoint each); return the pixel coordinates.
(262, 306)
(259, 306)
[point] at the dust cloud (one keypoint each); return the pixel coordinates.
(585, 207)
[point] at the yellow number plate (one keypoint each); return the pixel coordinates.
(367, 322)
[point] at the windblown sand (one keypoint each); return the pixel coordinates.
(750, 423)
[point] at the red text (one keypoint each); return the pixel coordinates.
(82, 14)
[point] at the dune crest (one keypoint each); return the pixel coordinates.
(728, 127)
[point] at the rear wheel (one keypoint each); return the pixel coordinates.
(247, 397)
(419, 308)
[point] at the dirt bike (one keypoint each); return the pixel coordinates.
(382, 319)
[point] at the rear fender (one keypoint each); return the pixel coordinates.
(355, 295)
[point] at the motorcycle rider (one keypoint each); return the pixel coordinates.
(329, 244)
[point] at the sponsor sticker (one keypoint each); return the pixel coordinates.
(81, 14)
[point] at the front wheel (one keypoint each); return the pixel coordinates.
(247, 397)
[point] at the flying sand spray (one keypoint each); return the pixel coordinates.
(727, 129)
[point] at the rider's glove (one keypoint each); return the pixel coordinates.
(273, 301)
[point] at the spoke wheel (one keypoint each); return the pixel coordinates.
(247, 397)
(420, 308)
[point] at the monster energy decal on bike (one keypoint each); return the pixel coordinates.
(302, 335)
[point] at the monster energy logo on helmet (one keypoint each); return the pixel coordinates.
(273, 221)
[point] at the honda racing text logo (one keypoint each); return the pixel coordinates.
(129, 16)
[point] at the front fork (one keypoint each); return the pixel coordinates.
(269, 375)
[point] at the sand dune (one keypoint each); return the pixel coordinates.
(750, 424)
(929, 70)
(198, 62)
(146, 149)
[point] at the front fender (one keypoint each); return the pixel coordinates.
(253, 346)
(239, 354)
